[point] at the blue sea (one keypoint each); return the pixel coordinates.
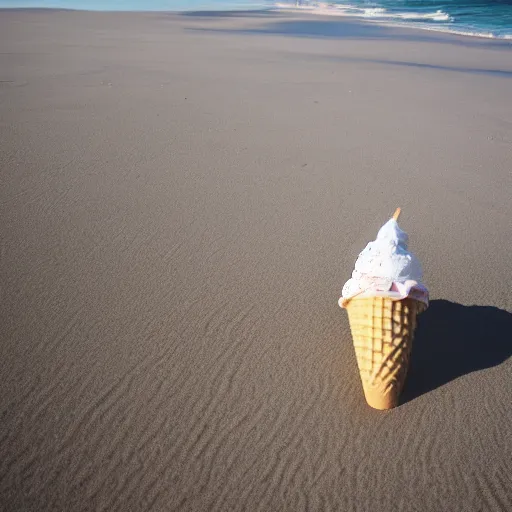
(484, 18)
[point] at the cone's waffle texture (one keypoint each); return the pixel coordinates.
(382, 331)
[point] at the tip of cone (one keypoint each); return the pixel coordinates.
(381, 402)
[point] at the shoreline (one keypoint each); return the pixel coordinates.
(507, 39)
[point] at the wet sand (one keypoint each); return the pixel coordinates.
(182, 198)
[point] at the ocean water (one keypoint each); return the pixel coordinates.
(484, 18)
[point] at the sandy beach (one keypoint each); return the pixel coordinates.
(182, 198)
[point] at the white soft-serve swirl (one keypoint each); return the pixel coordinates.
(386, 268)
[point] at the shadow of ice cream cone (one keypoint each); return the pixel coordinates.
(453, 340)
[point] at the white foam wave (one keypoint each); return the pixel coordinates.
(363, 12)
(382, 13)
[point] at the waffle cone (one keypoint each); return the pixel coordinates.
(382, 332)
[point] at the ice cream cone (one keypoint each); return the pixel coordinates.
(382, 332)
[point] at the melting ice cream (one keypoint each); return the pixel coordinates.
(386, 268)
